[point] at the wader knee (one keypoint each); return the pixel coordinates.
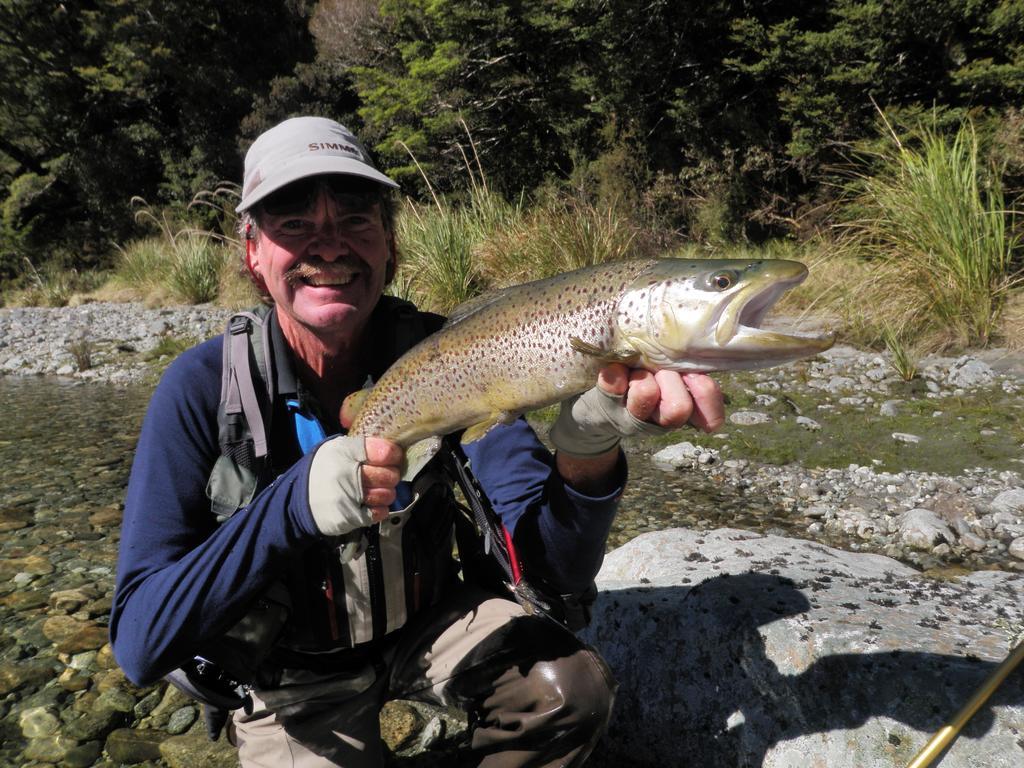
(551, 713)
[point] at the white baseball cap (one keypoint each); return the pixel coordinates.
(301, 147)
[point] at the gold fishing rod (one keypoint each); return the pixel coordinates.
(944, 737)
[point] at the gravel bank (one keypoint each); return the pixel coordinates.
(116, 338)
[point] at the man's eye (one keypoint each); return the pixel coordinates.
(357, 221)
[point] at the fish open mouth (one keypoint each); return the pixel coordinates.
(739, 329)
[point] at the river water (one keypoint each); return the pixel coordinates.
(66, 449)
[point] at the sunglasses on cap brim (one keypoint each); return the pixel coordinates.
(300, 195)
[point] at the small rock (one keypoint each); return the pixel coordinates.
(923, 529)
(816, 510)
(432, 733)
(83, 755)
(969, 372)
(749, 418)
(399, 724)
(194, 749)
(95, 723)
(972, 542)
(905, 437)
(73, 680)
(148, 703)
(181, 720)
(809, 424)
(890, 408)
(38, 722)
(127, 745)
(1011, 501)
(30, 673)
(69, 600)
(1017, 548)
(116, 699)
(71, 635)
(50, 749)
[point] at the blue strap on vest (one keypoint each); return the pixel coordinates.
(307, 428)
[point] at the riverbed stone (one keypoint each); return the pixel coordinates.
(194, 748)
(50, 749)
(82, 755)
(96, 722)
(400, 723)
(73, 680)
(34, 565)
(69, 600)
(923, 529)
(1016, 548)
(968, 372)
(684, 454)
(1010, 501)
(28, 673)
(116, 699)
(808, 423)
(181, 720)
(130, 745)
(734, 648)
(72, 635)
(37, 722)
(171, 700)
(890, 408)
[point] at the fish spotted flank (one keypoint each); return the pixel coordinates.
(539, 343)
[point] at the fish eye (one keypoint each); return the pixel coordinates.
(723, 280)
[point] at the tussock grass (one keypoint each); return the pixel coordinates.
(183, 263)
(48, 287)
(439, 266)
(939, 243)
(559, 234)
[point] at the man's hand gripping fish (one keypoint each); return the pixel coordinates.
(539, 343)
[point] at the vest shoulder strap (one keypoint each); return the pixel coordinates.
(255, 370)
(243, 413)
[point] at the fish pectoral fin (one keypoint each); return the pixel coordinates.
(417, 455)
(626, 357)
(478, 430)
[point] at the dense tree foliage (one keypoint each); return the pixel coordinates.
(731, 111)
(103, 100)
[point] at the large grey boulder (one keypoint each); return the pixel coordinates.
(737, 649)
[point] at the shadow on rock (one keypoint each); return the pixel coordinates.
(701, 684)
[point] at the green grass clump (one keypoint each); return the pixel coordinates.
(184, 262)
(439, 267)
(48, 286)
(195, 268)
(559, 234)
(939, 239)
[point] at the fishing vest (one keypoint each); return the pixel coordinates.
(350, 590)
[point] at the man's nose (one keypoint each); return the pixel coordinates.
(330, 242)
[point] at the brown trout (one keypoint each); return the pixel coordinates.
(539, 343)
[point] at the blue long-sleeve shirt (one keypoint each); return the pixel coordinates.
(183, 579)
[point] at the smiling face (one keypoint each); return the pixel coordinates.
(323, 251)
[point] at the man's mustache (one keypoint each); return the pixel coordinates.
(322, 270)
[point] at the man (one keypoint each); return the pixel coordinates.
(325, 585)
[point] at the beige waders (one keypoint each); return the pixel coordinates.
(535, 695)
